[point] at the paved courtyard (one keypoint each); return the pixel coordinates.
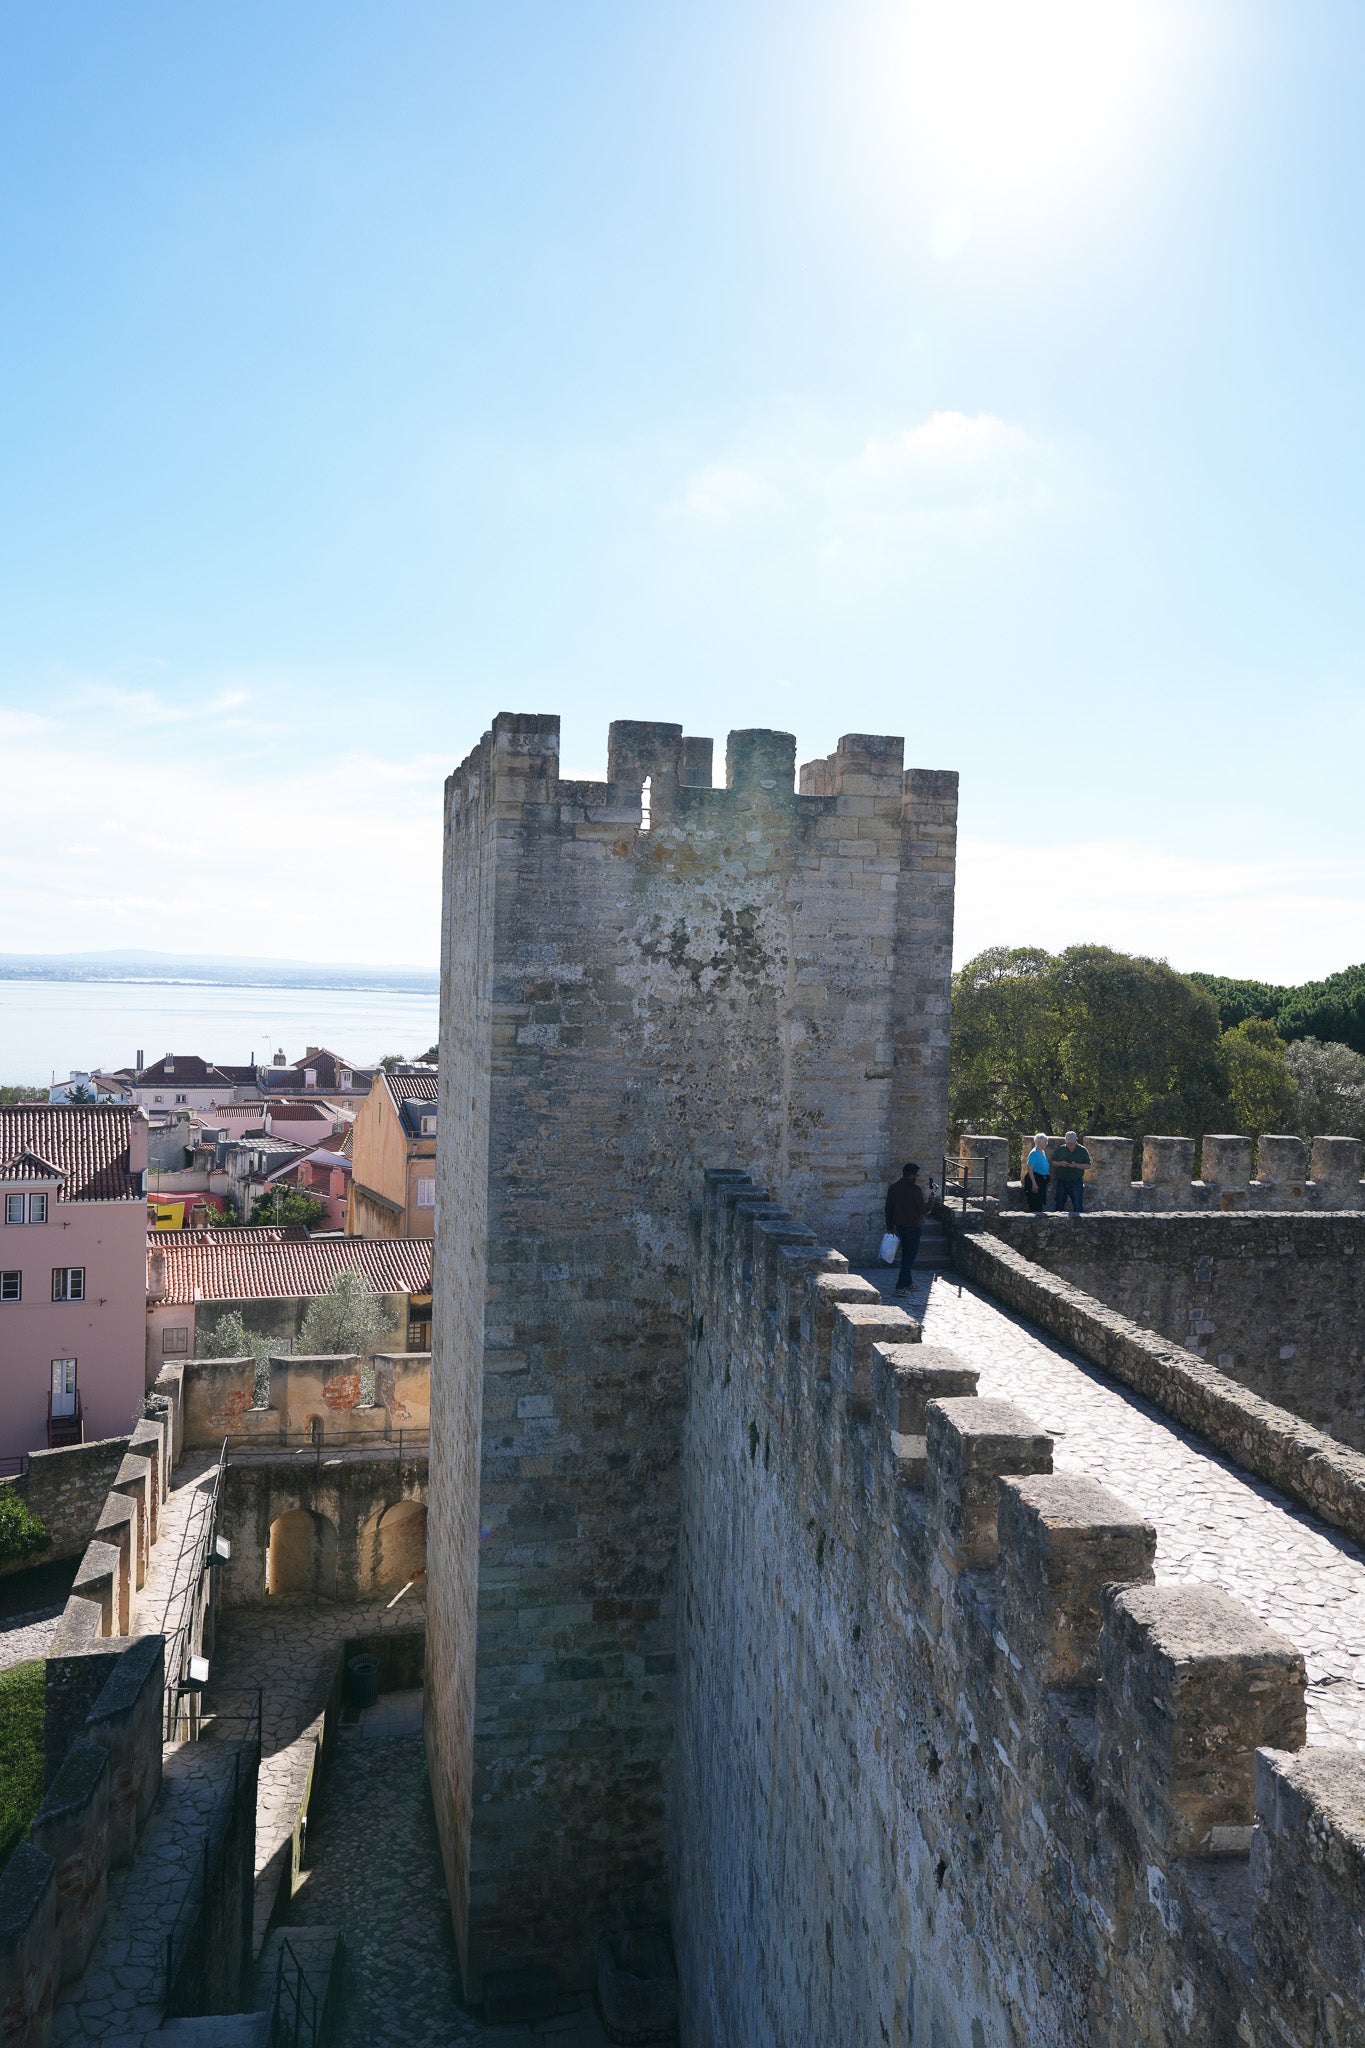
(375, 1871)
(1214, 1522)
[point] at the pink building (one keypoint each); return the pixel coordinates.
(73, 1303)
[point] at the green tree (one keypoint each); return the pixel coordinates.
(1329, 1090)
(1332, 1010)
(1089, 1039)
(1259, 1084)
(21, 1532)
(19, 1092)
(349, 1317)
(289, 1206)
(230, 1338)
(390, 1060)
(1238, 1000)
(430, 1057)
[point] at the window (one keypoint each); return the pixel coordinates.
(37, 1208)
(31, 1208)
(63, 1386)
(176, 1343)
(429, 1126)
(426, 1194)
(182, 1098)
(11, 1286)
(68, 1283)
(14, 1208)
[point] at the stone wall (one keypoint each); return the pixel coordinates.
(951, 1768)
(1290, 1174)
(67, 1490)
(1275, 1301)
(624, 998)
(349, 1501)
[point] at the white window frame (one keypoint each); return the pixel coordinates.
(37, 1208)
(426, 1193)
(17, 1292)
(71, 1280)
(60, 1395)
(29, 1208)
(429, 1123)
(180, 1349)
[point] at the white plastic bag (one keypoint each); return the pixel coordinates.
(891, 1249)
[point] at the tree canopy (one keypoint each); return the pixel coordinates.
(349, 1317)
(289, 1205)
(1332, 1009)
(1089, 1039)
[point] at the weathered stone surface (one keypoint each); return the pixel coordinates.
(971, 1445)
(72, 1827)
(881, 1791)
(757, 973)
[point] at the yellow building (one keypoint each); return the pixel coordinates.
(393, 1159)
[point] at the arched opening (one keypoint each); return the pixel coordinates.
(302, 1557)
(393, 1546)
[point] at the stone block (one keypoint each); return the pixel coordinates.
(824, 1293)
(1063, 1539)
(29, 1948)
(857, 1326)
(126, 1722)
(1192, 1683)
(1308, 1887)
(761, 760)
(770, 1235)
(319, 1393)
(984, 1163)
(134, 1481)
(906, 1377)
(151, 1439)
(1335, 1166)
(72, 1827)
(697, 762)
(216, 1392)
(117, 1528)
(1282, 1165)
(793, 1264)
(1226, 1161)
(402, 1388)
(94, 1589)
(1168, 1170)
(970, 1445)
(1109, 1176)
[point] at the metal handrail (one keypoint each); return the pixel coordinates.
(194, 1903)
(405, 1443)
(189, 1584)
(295, 2015)
(959, 1182)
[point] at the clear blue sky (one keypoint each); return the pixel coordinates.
(985, 372)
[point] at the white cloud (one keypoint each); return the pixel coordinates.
(1283, 921)
(724, 489)
(945, 441)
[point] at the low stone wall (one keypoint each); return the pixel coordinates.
(1291, 1174)
(1261, 1437)
(54, 1889)
(346, 1498)
(323, 1396)
(951, 1767)
(67, 1490)
(1276, 1302)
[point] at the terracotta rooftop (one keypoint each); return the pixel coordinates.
(237, 1265)
(85, 1143)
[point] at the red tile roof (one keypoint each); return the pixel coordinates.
(87, 1144)
(235, 1265)
(412, 1087)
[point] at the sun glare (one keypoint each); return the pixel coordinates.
(1005, 105)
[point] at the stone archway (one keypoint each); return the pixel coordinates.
(393, 1546)
(302, 1555)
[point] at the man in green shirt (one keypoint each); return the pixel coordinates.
(1069, 1161)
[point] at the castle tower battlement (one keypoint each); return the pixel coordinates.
(640, 977)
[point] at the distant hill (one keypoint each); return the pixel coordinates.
(223, 970)
(1332, 1010)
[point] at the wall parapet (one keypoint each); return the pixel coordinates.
(1059, 1766)
(1313, 1468)
(1289, 1173)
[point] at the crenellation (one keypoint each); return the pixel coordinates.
(1192, 1685)
(856, 1327)
(971, 1445)
(1054, 1824)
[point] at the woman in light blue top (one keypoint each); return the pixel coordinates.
(1037, 1174)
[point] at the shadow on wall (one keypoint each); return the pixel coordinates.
(393, 1547)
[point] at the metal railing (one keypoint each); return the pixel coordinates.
(190, 1586)
(242, 1727)
(303, 1443)
(964, 1183)
(296, 2017)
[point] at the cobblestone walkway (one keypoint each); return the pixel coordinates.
(28, 1635)
(1214, 1523)
(375, 1871)
(290, 1649)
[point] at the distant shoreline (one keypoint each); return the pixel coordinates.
(395, 983)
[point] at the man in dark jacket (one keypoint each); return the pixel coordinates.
(906, 1205)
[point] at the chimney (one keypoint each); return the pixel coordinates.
(279, 1059)
(140, 1060)
(170, 1065)
(137, 1142)
(156, 1275)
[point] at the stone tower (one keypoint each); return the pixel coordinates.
(640, 978)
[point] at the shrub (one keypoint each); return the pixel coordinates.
(21, 1532)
